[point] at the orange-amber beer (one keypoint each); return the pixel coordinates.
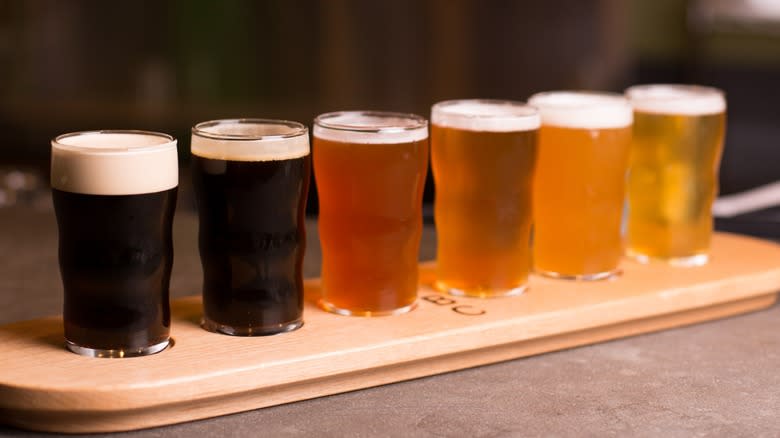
(579, 185)
(370, 170)
(673, 171)
(483, 154)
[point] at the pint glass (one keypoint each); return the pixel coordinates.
(370, 170)
(251, 179)
(579, 185)
(483, 154)
(114, 197)
(673, 171)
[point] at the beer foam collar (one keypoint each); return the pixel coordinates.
(114, 162)
(583, 109)
(370, 127)
(250, 140)
(485, 115)
(692, 100)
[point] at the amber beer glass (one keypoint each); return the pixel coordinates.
(673, 171)
(251, 179)
(483, 154)
(580, 183)
(114, 197)
(370, 171)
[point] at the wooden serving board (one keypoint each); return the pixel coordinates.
(44, 387)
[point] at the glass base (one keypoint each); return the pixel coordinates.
(685, 262)
(357, 312)
(224, 329)
(480, 292)
(583, 277)
(117, 353)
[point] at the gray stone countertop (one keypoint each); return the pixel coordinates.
(714, 379)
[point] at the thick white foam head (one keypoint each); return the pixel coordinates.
(370, 127)
(691, 100)
(250, 140)
(583, 109)
(114, 162)
(485, 115)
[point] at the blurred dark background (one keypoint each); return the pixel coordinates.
(165, 65)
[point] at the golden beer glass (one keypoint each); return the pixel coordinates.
(370, 170)
(579, 185)
(483, 154)
(673, 171)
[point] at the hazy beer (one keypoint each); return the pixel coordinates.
(673, 171)
(579, 185)
(483, 154)
(370, 171)
(114, 196)
(251, 179)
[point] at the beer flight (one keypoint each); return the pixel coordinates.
(563, 186)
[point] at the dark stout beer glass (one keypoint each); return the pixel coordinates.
(251, 178)
(114, 196)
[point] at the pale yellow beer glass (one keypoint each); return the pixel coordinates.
(673, 176)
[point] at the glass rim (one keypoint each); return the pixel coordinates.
(171, 140)
(442, 106)
(614, 99)
(420, 122)
(299, 129)
(695, 90)
(583, 109)
(680, 99)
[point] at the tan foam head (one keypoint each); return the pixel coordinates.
(250, 140)
(677, 99)
(583, 109)
(114, 162)
(485, 115)
(370, 127)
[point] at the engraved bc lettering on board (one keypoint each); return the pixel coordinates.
(462, 309)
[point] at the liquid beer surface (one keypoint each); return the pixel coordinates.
(251, 195)
(673, 180)
(114, 196)
(580, 183)
(370, 185)
(483, 155)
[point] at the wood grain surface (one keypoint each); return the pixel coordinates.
(44, 387)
